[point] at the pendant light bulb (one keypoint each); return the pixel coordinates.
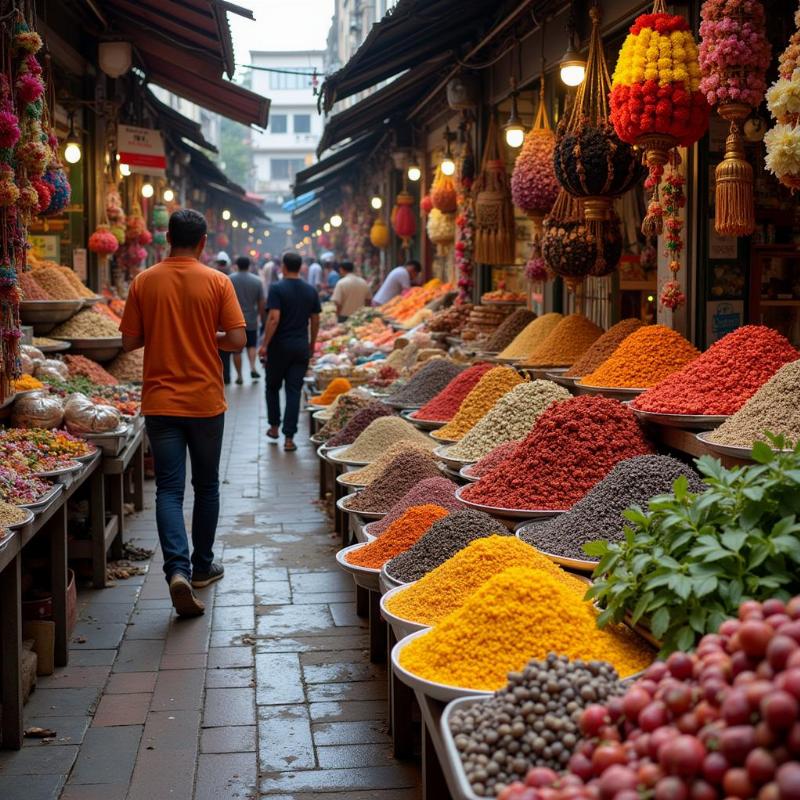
(414, 173)
(147, 190)
(376, 202)
(169, 195)
(125, 170)
(448, 166)
(336, 221)
(226, 215)
(515, 132)
(327, 227)
(72, 145)
(572, 68)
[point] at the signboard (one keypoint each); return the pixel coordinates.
(79, 263)
(46, 247)
(142, 149)
(722, 317)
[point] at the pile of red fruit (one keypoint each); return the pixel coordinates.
(717, 724)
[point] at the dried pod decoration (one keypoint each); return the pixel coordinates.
(465, 216)
(673, 201)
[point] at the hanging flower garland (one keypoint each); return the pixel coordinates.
(103, 242)
(673, 201)
(465, 216)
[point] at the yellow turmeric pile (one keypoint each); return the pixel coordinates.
(644, 358)
(566, 343)
(531, 336)
(336, 387)
(442, 591)
(515, 616)
(489, 389)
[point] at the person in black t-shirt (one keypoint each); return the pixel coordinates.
(293, 311)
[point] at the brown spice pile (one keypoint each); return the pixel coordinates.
(566, 343)
(603, 347)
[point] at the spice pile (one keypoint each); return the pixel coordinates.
(444, 589)
(494, 459)
(26, 383)
(509, 329)
(19, 487)
(366, 475)
(510, 419)
(603, 348)
(380, 434)
(532, 722)
(10, 514)
(47, 444)
(344, 408)
(515, 616)
(399, 536)
(80, 365)
(450, 320)
(78, 287)
(723, 378)
(566, 343)
(440, 491)
(444, 405)
(489, 389)
(31, 290)
(434, 376)
(572, 447)
(128, 367)
(87, 324)
(599, 514)
(646, 357)
(775, 407)
(359, 422)
(336, 387)
(444, 539)
(53, 282)
(531, 336)
(403, 472)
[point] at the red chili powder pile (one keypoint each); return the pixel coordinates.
(443, 406)
(493, 459)
(573, 446)
(723, 378)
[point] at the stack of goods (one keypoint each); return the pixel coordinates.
(19, 487)
(510, 419)
(31, 289)
(403, 472)
(434, 376)
(443, 540)
(531, 336)
(489, 389)
(80, 365)
(603, 348)
(399, 536)
(358, 423)
(84, 415)
(646, 357)
(440, 491)
(499, 455)
(52, 281)
(128, 367)
(598, 515)
(341, 411)
(336, 387)
(509, 329)
(444, 589)
(366, 475)
(443, 407)
(404, 306)
(483, 322)
(774, 408)
(450, 320)
(573, 446)
(723, 378)
(503, 295)
(87, 325)
(566, 343)
(37, 450)
(10, 515)
(515, 616)
(379, 435)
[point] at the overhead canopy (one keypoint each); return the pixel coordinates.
(173, 121)
(331, 168)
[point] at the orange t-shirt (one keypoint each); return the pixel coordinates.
(178, 306)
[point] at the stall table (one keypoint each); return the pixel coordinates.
(124, 481)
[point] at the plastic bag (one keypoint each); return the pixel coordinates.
(52, 368)
(26, 363)
(38, 410)
(81, 415)
(31, 351)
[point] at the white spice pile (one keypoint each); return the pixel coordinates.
(381, 434)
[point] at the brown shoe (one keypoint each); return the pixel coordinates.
(184, 600)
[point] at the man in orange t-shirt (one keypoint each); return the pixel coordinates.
(182, 313)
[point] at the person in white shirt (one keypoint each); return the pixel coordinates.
(314, 273)
(397, 281)
(351, 292)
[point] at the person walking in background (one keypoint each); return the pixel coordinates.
(222, 262)
(397, 281)
(293, 311)
(314, 273)
(330, 276)
(182, 312)
(351, 292)
(250, 293)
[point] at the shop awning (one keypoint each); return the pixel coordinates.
(335, 165)
(171, 121)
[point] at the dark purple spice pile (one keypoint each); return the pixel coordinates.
(425, 384)
(359, 422)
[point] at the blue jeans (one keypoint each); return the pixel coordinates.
(287, 363)
(170, 437)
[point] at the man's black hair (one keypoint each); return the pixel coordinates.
(292, 261)
(347, 266)
(186, 228)
(243, 263)
(414, 263)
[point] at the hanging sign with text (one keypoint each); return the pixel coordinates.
(142, 149)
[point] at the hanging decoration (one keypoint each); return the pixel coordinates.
(656, 101)
(443, 192)
(494, 212)
(465, 216)
(103, 241)
(115, 213)
(783, 101)
(441, 229)
(404, 221)
(426, 204)
(734, 55)
(160, 223)
(466, 161)
(379, 234)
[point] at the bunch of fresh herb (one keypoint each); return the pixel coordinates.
(688, 561)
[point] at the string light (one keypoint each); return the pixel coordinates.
(226, 215)
(72, 148)
(235, 224)
(169, 195)
(336, 221)
(125, 170)
(376, 202)
(147, 190)
(414, 173)
(327, 227)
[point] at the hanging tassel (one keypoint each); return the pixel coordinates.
(735, 209)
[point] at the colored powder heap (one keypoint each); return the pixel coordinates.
(434, 376)
(598, 515)
(573, 446)
(531, 336)
(490, 388)
(510, 419)
(444, 589)
(30, 289)
(345, 407)
(725, 377)
(399, 536)
(440, 491)
(509, 329)
(405, 471)
(359, 422)
(80, 365)
(566, 343)
(494, 459)
(336, 387)
(515, 616)
(444, 539)
(443, 407)
(379, 435)
(366, 475)
(774, 408)
(603, 348)
(646, 357)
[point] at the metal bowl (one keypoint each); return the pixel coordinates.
(401, 627)
(44, 315)
(363, 576)
(579, 564)
(509, 513)
(101, 349)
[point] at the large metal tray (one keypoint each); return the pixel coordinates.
(509, 513)
(44, 501)
(111, 443)
(101, 349)
(363, 576)
(401, 627)
(697, 422)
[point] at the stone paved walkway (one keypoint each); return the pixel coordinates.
(270, 694)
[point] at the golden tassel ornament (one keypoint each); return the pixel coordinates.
(734, 213)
